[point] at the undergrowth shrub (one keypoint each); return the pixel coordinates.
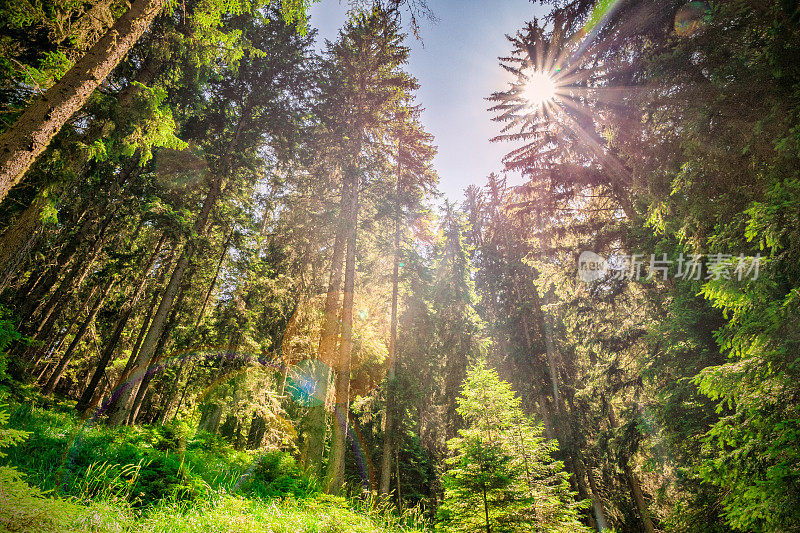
(276, 474)
(166, 477)
(144, 464)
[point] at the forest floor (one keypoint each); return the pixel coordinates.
(69, 476)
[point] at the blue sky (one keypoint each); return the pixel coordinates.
(456, 65)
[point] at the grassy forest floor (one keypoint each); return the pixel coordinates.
(67, 476)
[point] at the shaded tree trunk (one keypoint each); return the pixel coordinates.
(120, 411)
(315, 419)
(73, 280)
(35, 294)
(19, 240)
(630, 475)
(255, 436)
(151, 369)
(111, 345)
(58, 372)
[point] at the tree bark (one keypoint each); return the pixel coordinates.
(35, 293)
(149, 371)
(61, 298)
(597, 503)
(335, 473)
(19, 239)
(213, 283)
(71, 282)
(486, 509)
(121, 410)
(633, 480)
(30, 135)
(255, 435)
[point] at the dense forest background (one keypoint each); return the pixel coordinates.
(233, 299)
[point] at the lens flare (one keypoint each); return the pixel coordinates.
(307, 383)
(691, 18)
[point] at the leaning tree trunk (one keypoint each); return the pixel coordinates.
(30, 135)
(120, 410)
(111, 345)
(169, 397)
(582, 470)
(62, 297)
(144, 384)
(58, 372)
(19, 239)
(36, 295)
(630, 475)
(335, 473)
(148, 377)
(36, 292)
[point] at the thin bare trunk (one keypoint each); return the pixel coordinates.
(19, 239)
(633, 480)
(72, 282)
(315, 419)
(213, 283)
(388, 418)
(58, 372)
(120, 411)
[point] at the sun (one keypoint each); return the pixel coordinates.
(540, 88)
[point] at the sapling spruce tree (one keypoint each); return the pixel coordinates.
(501, 476)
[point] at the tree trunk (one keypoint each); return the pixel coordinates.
(397, 475)
(388, 418)
(213, 283)
(121, 410)
(486, 509)
(255, 436)
(454, 368)
(184, 391)
(32, 132)
(569, 434)
(335, 473)
(633, 480)
(315, 419)
(597, 503)
(58, 372)
(71, 282)
(19, 239)
(150, 371)
(62, 297)
(35, 294)
(111, 345)
(211, 418)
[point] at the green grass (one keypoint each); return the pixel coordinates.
(25, 511)
(143, 465)
(67, 477)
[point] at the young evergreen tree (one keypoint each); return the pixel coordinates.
(501, 476)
